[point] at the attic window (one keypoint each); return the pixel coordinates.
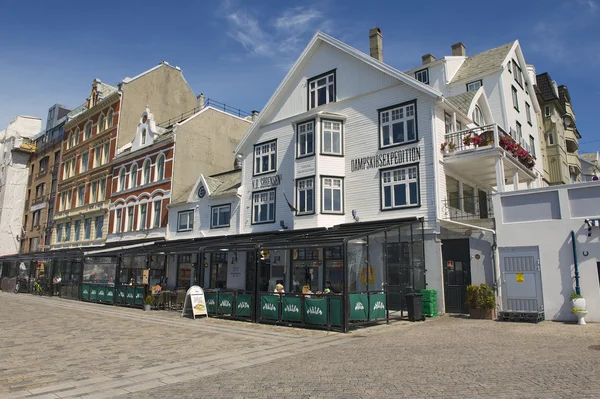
(422, 76)
(144, 136)
(321, 90)
(474, 86)
(145, 118)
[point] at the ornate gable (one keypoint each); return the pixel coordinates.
(147, 131)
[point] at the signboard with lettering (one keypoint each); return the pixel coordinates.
(306, 168)
(195, 303)
(38, 206)
(393, 158)
(266, 182)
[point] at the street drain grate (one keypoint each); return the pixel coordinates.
(594, 347)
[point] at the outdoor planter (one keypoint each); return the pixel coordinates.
(577, 301)
(481, 302)
(147, 307)
(148, 302)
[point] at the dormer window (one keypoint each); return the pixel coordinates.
(474, 86)
(321, 90)
(422, 76)
(144, 136)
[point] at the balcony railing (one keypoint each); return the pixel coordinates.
(38, 200)
(209, 102)
(41, 174)
(489, 136)
(455, 208)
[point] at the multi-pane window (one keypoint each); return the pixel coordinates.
(87, 229)
(220, 216)
(528, 112)
(122, 180)
(321, 90)
(146, 171)
(102, 190)
(84, 162)
(143, 136)
(331, 132)
(519, 133)
(422, 76)
(77, 230)
(400, 187)
(478, 116)
(185, 220)
(68, 231)
(160, 167)
(130, 218)
(550, 138)
(101, 123)
(474, 86)
(517, 73)
(133, 176)
(99, 226)
(81, 196)
(263, 207)
(106, 152)
(88, 131)
(265, 157)
(306, 197)
(97, 156)
(306, 139)
(118, 220)
(332, 194)
(156, 213)
(37, 216)
(448, 123)
(59, 232)
(143, 216)
(398, 125)
(515, 98)
(547, 111)
(532, 145)
(109, 119)
(94, 192)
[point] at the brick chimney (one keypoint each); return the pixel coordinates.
(459, 50)
(428, 58)
(376, 43)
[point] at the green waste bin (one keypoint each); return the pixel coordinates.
(291, 308)
(243, 305)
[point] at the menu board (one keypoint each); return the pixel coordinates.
(195, 303)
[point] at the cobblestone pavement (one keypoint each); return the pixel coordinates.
(59, 348)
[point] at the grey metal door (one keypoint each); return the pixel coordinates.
(521, 279)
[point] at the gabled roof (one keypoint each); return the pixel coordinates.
(161, 64)
(545, 87)
(591, 157)
(462, 101)
(317, 39)
(483, 62)
(225, 183)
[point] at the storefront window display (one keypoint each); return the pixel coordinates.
(185, 267)
(218, 270)
(157, 269)
(99, 270)
(334, 267)
(132, 269)
(307, 266)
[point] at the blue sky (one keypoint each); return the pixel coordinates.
(237, 51)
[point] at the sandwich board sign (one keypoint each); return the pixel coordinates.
(195, 304)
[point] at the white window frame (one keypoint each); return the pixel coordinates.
(528, 112)
(314, 85)
(87, 234)
(144, 133)
(406, 176)
(515, 97)
(142, 216)
(519, 132)
(109, 118)
(106, 152)
(160, 160)
(156, 215)
(218, 210)
(403, 114)
(122, 179)
(101, 189)
(146, 172)
(101, 122)
(474, 86)
(547, 111)
(97, 156)
(133, 175)
(188, 223)
(87, 131)
(423, 76)
(478, 116)
(129, 226)
(550, 138)
(85, 165)
(332, 128)
(448, 128)
(263, 202)
(304, 186)
(265, 151)
(80, 198)
(305, 139)
(118, 220)
(94, 191)
(332, 184)
(96, 235)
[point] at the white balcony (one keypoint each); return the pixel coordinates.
(490, 157)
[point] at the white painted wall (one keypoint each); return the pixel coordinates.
(552, 236)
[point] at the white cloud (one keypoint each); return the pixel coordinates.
(280, 37)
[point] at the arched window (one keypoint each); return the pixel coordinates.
(160, 167)
(478, 116)
(109, 118)
(76, 136)
(101, 123)
(144, 137)
(122, 180)
(88, 131)
(133, 175)
(147, 171)
(70, 142)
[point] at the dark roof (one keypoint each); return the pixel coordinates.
(482, 62)
(545, 87)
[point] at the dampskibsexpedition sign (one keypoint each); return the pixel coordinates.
(393, 158)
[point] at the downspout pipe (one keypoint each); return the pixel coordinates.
(574, 243)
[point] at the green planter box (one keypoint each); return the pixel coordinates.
(315, 311)
(211, 302)
(269, 307)
(225, 303)
(291, 308)
(243, 305)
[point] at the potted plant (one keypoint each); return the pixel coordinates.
(451, 147)
(467, 140)
(577, 301)
(148, 302)
(444, 147)
(481, 302)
